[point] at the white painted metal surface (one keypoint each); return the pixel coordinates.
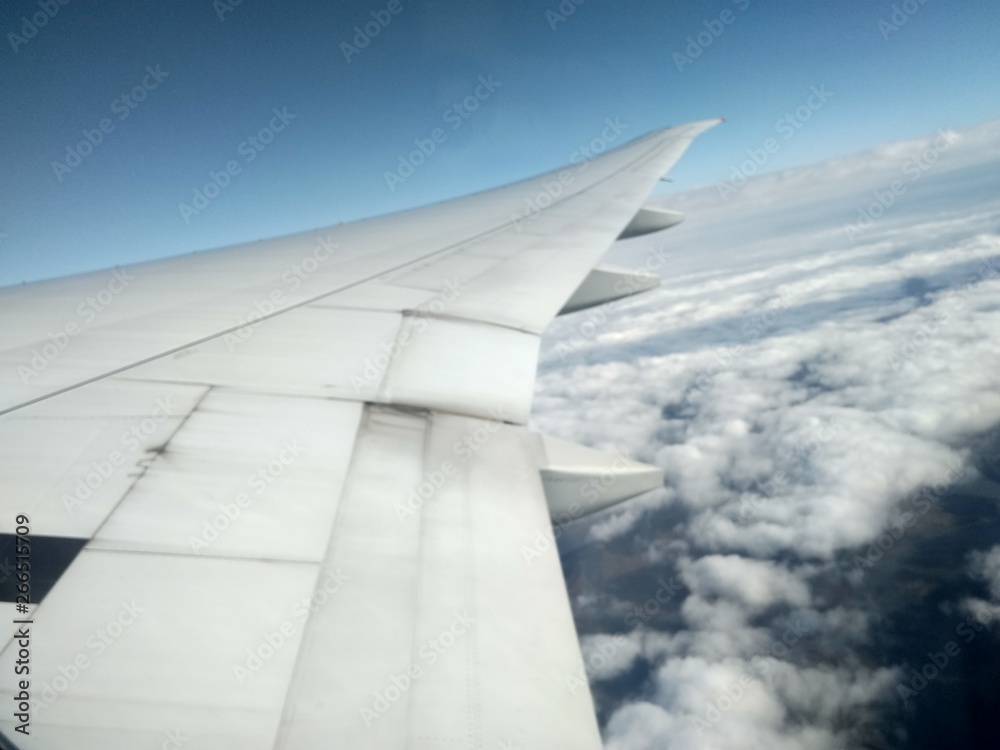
(246, 476)
(605, 284)
(140, 644)
(67, 462)
(515, 266)
(579, 481)
(377, 403)
(440, 552)
(651, 219)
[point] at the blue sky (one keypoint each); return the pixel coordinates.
(554, 80)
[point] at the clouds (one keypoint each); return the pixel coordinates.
(805, 391)
(985, 567)
(702, 703)
(753, 584)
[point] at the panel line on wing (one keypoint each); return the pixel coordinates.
(454, 247)
(281, 737)
(142, 472)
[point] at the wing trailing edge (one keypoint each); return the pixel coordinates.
(606, 284)
(579, 481)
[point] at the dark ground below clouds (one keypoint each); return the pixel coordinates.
(910, 593)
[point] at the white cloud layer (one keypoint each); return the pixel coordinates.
(800, 374)
(985, 567)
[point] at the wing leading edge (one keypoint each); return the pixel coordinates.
(313, 517)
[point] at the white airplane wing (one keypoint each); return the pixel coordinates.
(282, 495)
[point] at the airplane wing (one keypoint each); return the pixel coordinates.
(283, 495)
